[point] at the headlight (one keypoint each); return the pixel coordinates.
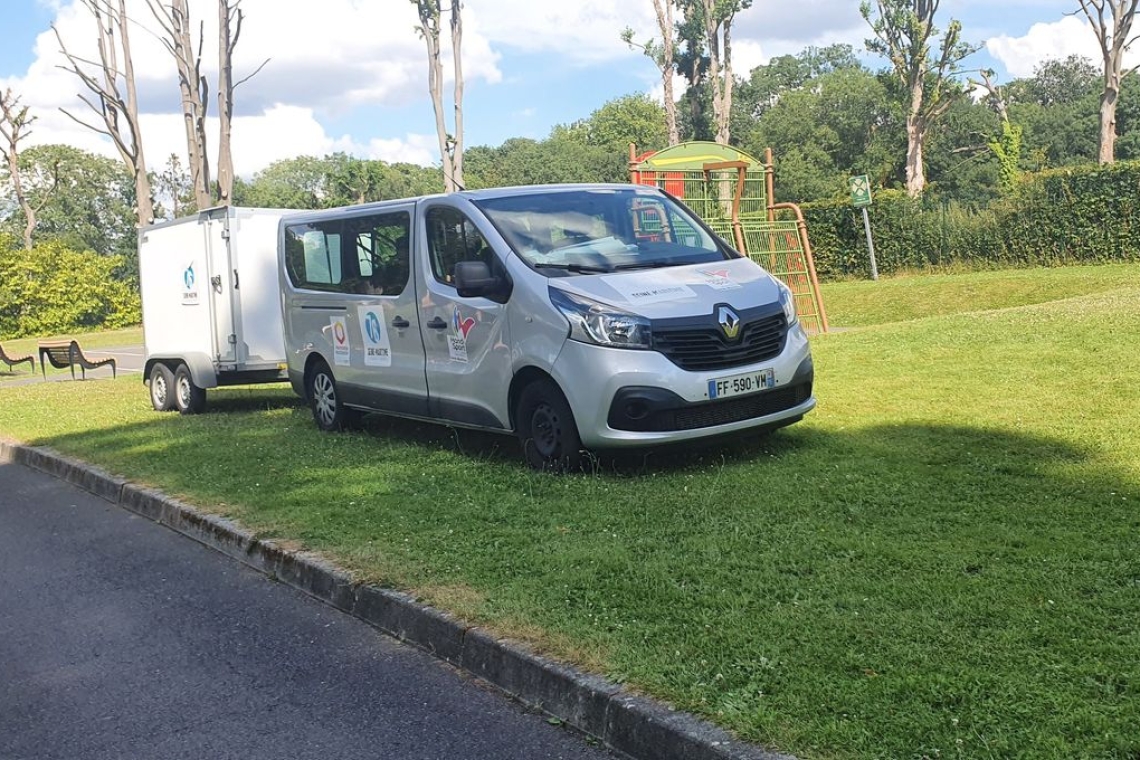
(605, 325)
(787, 300)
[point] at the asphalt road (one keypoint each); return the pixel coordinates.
(122, 639)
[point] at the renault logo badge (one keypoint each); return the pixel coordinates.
(729, 322)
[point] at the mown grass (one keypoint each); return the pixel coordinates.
(895, 299)
(940, 561)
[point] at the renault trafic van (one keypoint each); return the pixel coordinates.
(574, 316)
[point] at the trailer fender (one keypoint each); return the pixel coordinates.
(200, 365)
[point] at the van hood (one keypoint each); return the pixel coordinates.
(680, 291)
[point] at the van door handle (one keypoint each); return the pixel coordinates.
(400, 322)
(437, 324)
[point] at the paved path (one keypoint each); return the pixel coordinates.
(121, 639)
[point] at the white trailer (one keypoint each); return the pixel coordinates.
(211, 304)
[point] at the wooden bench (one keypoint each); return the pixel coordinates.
(12, 361)
(65, 355)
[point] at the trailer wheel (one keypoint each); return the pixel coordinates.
(188, 397)
(546, 429)
(329, 412)
(161, 387)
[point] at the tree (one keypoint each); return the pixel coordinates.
(308, 182)
(116, 94)
(230, 18)
(193, 87)
(904, 33)
(1111, 21)
(828, 128)
(715, 18)
(14, 124)
(1057, 108)
(450, 145)
(84, 200)
(173, 185)
(1007, 145)
(662, 55)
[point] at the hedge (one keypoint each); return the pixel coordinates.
(1079, 215)
(52, 290)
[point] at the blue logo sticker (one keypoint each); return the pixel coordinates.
(188, 277)
(372, 327)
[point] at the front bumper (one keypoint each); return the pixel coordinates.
(622, 398)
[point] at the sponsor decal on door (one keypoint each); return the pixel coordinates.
(457, 339)
(339, 328)
(377, 346)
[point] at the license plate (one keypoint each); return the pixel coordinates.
(738, 385)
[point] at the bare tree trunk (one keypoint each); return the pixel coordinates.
(228, 33)
(915, 137)
(456, 47)
(723, 125)
(664, 9)
(1111, 22)
(718, 38)
(113, 106)
(175, 22)
(13, 124)
(429, 11)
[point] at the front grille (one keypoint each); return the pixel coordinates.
(698, 349)
(737, 409)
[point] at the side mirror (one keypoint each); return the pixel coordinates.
(474, 279)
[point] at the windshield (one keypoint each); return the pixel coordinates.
(601, 230)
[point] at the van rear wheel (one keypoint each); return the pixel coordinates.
(546, 428)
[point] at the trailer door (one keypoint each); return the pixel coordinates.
(220, 287)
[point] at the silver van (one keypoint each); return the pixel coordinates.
(574, 316)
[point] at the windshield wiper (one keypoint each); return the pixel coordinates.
(656, 264)
(578, 268)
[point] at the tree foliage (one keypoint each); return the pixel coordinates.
(309, 182)
(83, 200)
(53, 289)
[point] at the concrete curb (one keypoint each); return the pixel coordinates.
(635, 726)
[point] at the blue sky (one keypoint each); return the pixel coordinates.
(353, 75)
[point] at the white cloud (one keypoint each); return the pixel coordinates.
(585, 31)
(1057, 40)
(321, 64)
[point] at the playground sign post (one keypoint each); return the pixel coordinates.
(861, 198)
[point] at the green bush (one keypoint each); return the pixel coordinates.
(52, 289)
(1079, 215)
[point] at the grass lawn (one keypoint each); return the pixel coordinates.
(943, 560)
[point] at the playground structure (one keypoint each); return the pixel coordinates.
(734, 194)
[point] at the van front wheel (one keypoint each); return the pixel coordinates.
(546, 428)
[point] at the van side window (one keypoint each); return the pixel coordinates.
(380, 252)
(363, 255)
(452, 238)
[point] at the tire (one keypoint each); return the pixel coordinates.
(161, 388)
(546, 428)
(328, 412)
(188, 397)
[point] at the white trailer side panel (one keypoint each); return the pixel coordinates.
(210, 293)
(174, 279)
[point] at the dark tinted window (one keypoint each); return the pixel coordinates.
(367, 255)
(452, 238)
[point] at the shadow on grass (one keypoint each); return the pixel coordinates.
(953, 541)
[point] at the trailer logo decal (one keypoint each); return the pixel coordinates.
(340, 340)
(377, 347)
(190, 288)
